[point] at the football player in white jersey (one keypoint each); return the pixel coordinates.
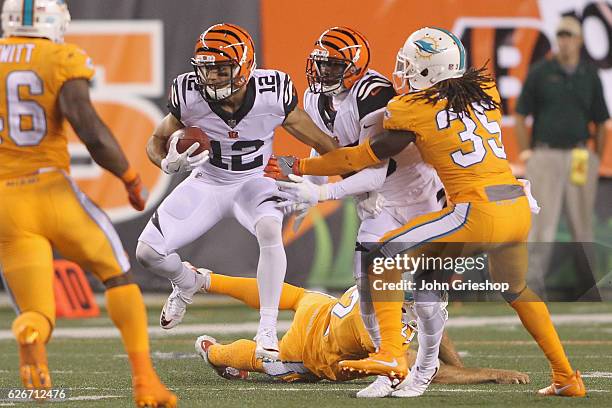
(347, 100)
(238, 107)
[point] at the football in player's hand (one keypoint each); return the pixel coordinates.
(188, 136)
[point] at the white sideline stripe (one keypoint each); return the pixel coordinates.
(283, 325)
(94, 397)
(336, 389)
(563, 319)
(330, 388)
(112, 332)
(79, 398)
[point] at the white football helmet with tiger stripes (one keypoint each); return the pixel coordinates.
(35, 18)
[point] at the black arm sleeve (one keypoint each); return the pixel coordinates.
(174, 104)
(373, 94)
(290, 96)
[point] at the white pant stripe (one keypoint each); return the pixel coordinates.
(428, 231)
(105, 225)
(8, 290)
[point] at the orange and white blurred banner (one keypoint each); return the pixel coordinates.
(508, 35)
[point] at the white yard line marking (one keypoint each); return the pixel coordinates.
(336, 389)
(597, 374)
(251, 327)
(92, 397)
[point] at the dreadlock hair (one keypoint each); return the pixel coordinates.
(461, 92)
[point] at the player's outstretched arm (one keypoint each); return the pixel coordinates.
(448, 353)
(379, 147)
(156, 146)
(475, 375)
(301, 126)
(76, 106)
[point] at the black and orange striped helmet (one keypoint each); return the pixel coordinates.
(223, 60)
(340, 58)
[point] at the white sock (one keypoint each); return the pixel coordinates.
(268, 317)
(366, 308)
(371, 325)
(185, 279)
(271, 269)
(169, 266)
(431, 320)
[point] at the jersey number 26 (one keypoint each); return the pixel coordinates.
(18, 109)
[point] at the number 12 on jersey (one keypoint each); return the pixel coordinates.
(478, 153)
(237, 163)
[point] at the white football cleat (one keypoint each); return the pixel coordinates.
(174, 309)
(380, 388)
(267, 344)
(415, 384)
(202, 345)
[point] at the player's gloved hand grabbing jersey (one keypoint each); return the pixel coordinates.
(176, 162)
(137, 192)
(301, 190)
(279, 168)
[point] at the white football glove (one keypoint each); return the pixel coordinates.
(533, 204)
(301, 191)
(176, 162)
(290, 207)
(369, 205)
(300, 210)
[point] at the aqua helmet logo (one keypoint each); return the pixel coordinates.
(427, 46)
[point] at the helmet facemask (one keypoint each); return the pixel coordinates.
(216, 81)
(223, 61)
(402, 73)
(327, 75)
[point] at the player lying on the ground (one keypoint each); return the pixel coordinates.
(325, 330)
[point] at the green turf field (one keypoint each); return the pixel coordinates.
(96, 370)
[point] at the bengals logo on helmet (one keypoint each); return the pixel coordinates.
(223, 61)
(340, 58)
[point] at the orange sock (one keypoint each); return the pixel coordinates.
(246, 290)
(127, 310)
(35, 320)
(536, 319)
(387, 305)
(239, 354)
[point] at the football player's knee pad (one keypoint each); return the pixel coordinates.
(427, 310)
(512, 296)
(268, 231)
(119, 280)
(147, 256)
(429, 304)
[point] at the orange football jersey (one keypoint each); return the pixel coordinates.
(332, 330)
(465, 150)
(32, 133)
